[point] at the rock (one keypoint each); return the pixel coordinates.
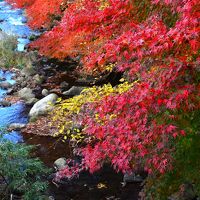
(131, 178)
(20, 80)
(47, 68)
(31, 101)
(186, 192)
(10, 91)
(73, 91)
(23, 84)
(2, 79)
(45, 92)
(5, 103)
(64, 86)
(60, 163)
(28, 71)
(43, 106)
(45, 197)
(26, 94)
(51, 198)
(5, 85)
(24, 20)
(16, 126)
(15, 196)
(38, 79)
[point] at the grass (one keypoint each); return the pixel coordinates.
(9, 57)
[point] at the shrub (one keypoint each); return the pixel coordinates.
(20, 173)
(66, 116)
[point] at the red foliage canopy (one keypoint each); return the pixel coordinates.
(157, 42)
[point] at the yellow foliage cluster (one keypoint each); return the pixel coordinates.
(67, 111)
(104, 4)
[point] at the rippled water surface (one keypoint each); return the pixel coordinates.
(11, 114)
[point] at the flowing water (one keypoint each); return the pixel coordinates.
(11, 114)
(13, 22)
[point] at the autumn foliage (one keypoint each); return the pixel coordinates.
(156, 44)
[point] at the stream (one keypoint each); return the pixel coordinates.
(13, 22)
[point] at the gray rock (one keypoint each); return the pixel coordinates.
(26, 94)
(5, 103)
(16, 126)
(38, 79)
(2, 79)
(31, 101)
(73, 91)
(20, 79)
(51, 198)
(28, 71)
(60, 163)
(23, 84)
(10, 91)
(45, 92)
(5, 85)
(43, 106)
(131, 178)
(64, 86)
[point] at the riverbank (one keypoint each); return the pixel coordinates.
(105, 184)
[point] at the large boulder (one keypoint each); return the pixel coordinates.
(26, 94)
(43, 106)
